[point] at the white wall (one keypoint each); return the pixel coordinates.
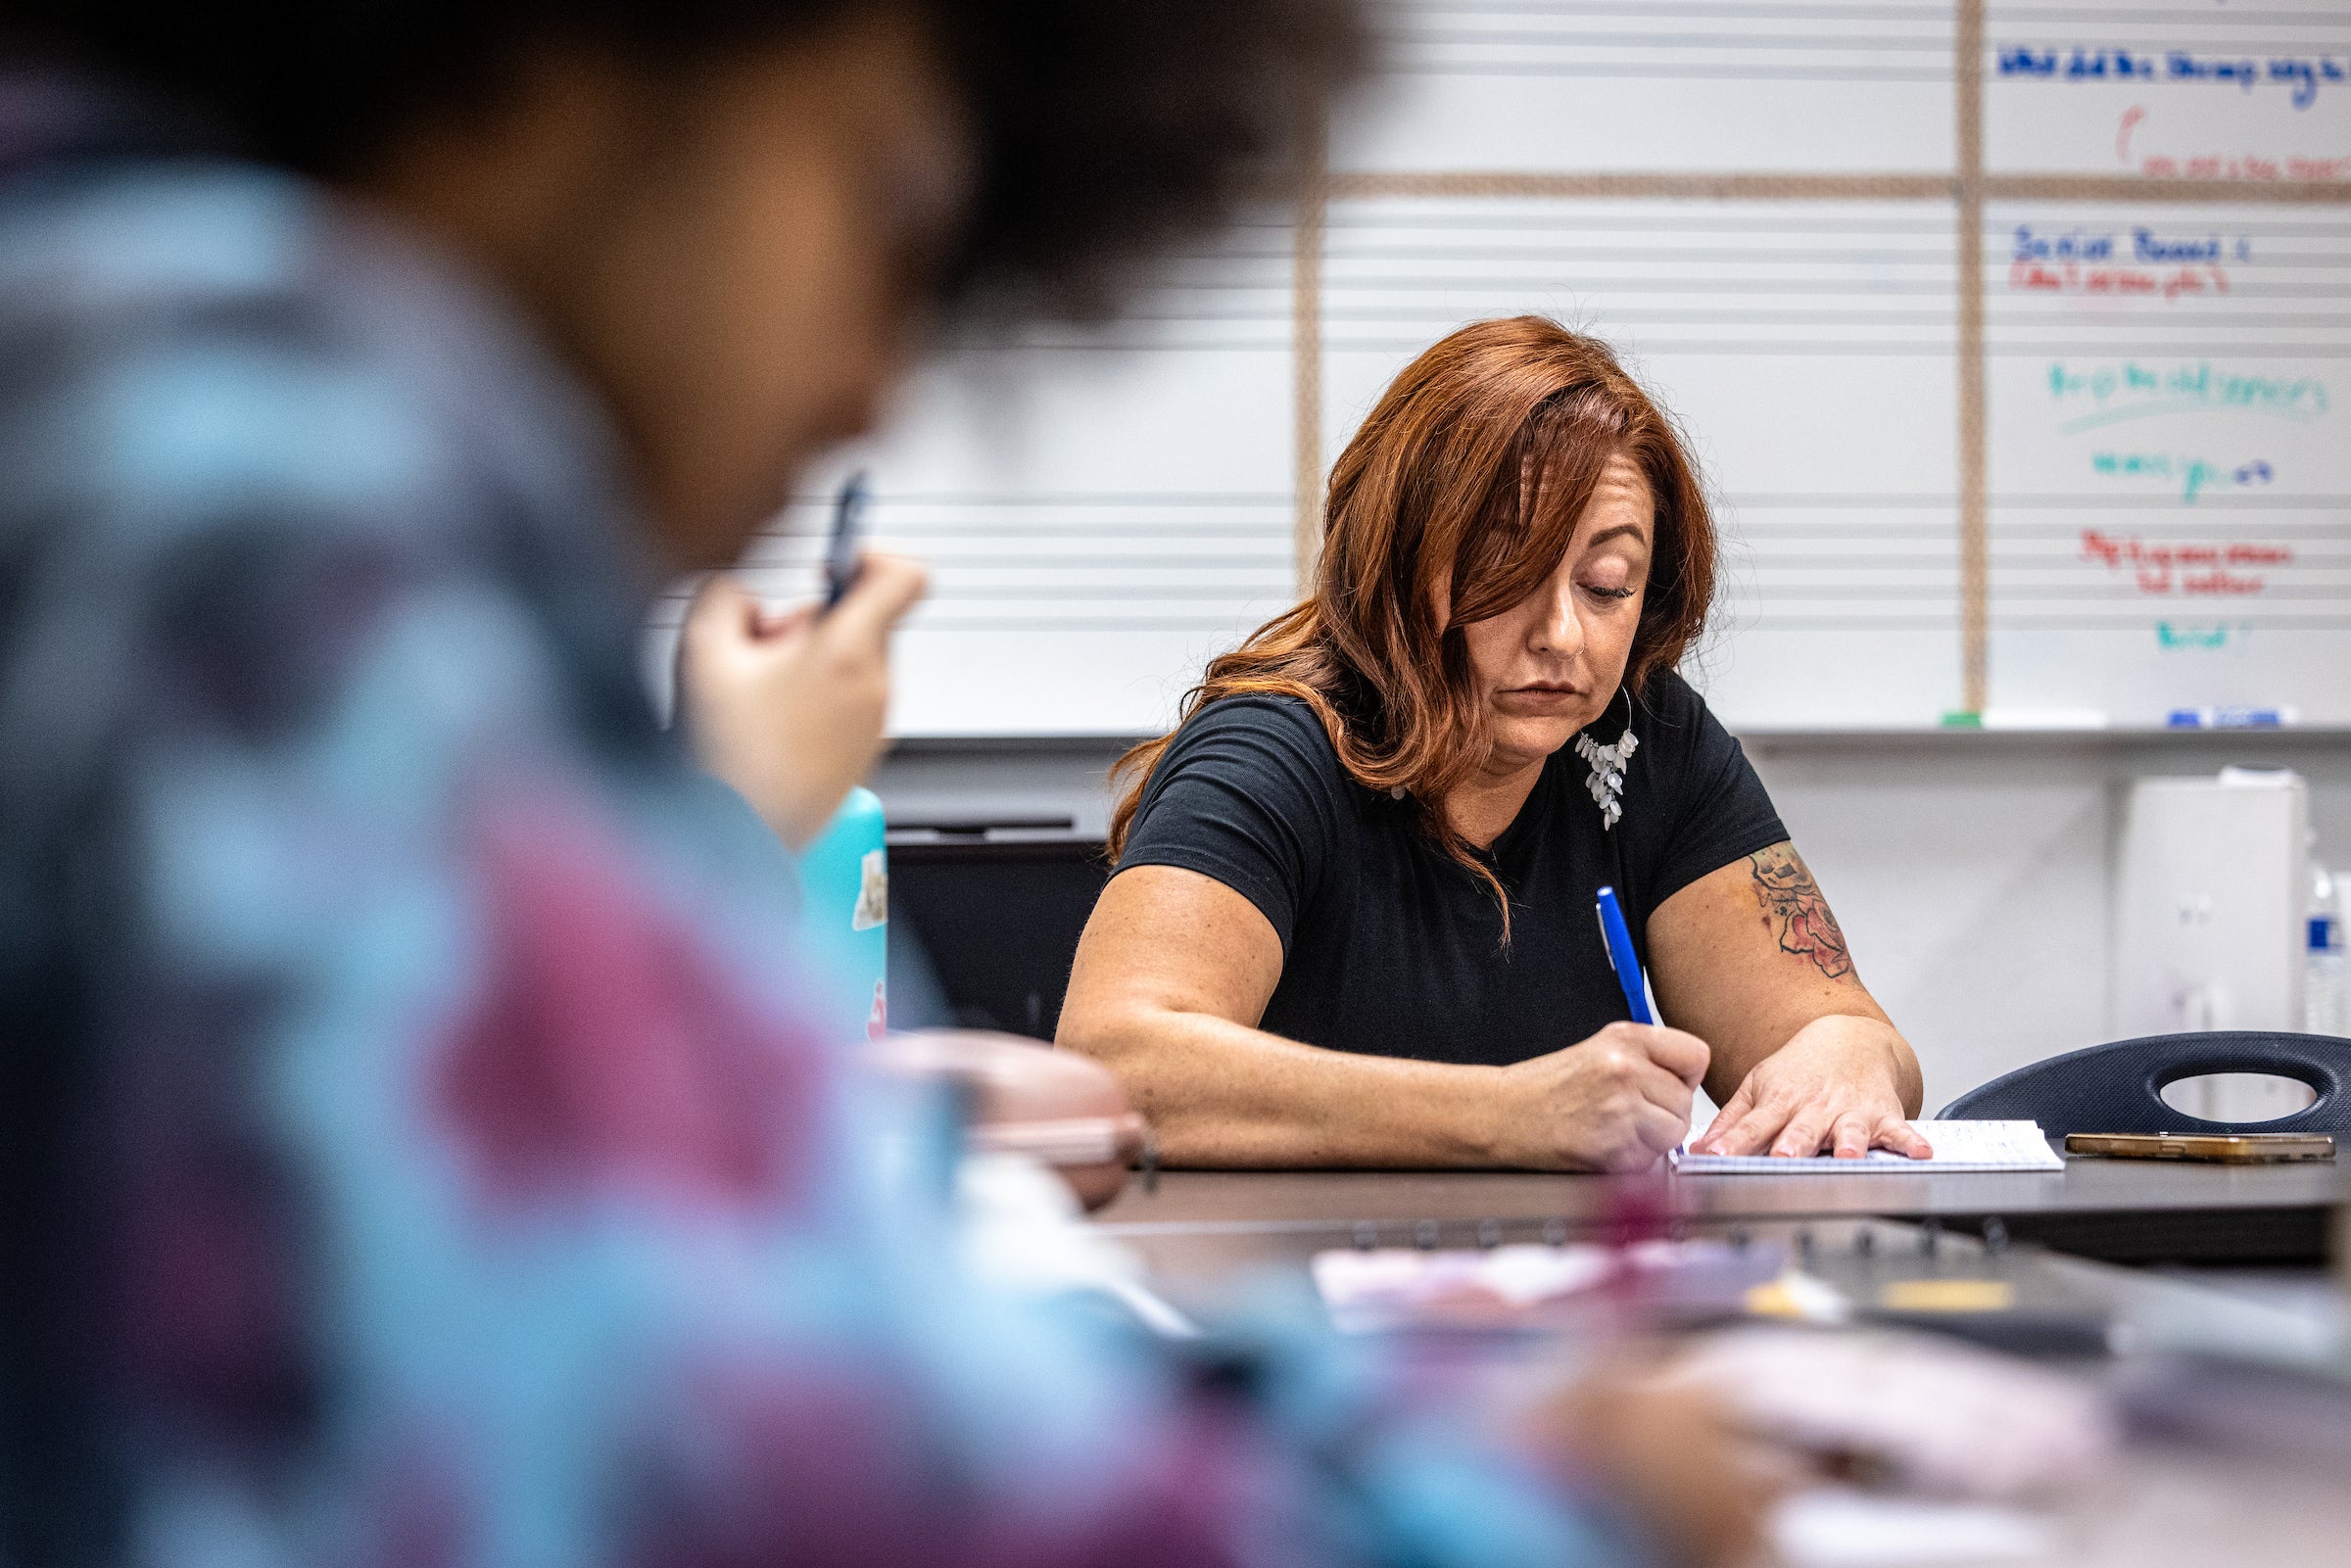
(1971, 872)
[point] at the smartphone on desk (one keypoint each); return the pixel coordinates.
(2223, 1148)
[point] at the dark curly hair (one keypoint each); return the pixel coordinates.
(1108, 129)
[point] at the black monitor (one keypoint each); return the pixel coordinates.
(983, 920)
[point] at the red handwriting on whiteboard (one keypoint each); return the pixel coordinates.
(2186, 568)
(2244, 166)
(2122, 137)
(2072, 277)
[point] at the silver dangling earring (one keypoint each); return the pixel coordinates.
(1606, 779)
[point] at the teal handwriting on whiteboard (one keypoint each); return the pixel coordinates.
(2174, 639)
(2129, 389)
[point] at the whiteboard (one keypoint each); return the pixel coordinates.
(1101, 510)
(1807, 347)
(2239, 89)
(2091, 469)
(1656, 86)
(2170, 462)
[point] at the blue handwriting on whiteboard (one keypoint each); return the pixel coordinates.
(2147, 246)
(2083, 62)
(2193, 475)
(2077, 246)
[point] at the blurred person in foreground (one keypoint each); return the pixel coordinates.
(414, 1155)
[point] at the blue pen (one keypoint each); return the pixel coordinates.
(1617, 938)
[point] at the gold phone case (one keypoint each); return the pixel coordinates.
(2233, 1148)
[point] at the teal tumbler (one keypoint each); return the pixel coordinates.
(845, 911)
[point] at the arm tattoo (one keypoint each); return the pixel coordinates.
(1787, 894)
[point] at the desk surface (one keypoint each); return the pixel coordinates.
(2170, 1503)
(2124, 1211)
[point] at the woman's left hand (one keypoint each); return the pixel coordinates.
(1836, 1084)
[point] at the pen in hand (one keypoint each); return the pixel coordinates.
(840, 552)
(1616, 938)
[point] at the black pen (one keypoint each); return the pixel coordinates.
(840, 554)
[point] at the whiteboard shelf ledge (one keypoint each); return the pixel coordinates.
(1960, 736)
(1810, 737)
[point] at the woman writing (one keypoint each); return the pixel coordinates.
(1353, 922)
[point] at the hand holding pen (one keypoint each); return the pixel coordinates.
(789, 709)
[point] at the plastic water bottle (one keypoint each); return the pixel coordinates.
(845, 914)
(2322, 979)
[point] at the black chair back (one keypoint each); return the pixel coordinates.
(2119, 1088)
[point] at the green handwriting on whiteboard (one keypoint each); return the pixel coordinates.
(2112, 391)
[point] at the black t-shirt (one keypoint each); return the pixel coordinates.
(1393, 948)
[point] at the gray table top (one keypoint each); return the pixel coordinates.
(2171, 1502)
(2086, 1185)
(2124, 1209)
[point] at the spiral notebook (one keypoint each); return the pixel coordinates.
(1958, 1146)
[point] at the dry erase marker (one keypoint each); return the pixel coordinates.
(2234, 718)
(840, 554)
(1617, 938)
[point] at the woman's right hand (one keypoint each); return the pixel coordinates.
(1616, 1102)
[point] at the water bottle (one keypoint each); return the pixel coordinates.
(845, 911)
(2322, 979)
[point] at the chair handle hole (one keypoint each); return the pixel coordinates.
(2238, 1097)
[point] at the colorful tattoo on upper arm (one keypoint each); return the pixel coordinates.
(1785, 888)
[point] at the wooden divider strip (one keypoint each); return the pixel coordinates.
(1727, 187)
(1974, 520)
(2139, 188)
(1306, 356)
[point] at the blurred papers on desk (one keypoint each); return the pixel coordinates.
(1915, 1414)
(1845, 1527)
(1957, 1145)
(1535, 1287)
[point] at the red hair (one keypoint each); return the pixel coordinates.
(1463, 486)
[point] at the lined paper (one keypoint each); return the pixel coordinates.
(1957, 1145)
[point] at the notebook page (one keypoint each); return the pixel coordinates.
(1958, 1146)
